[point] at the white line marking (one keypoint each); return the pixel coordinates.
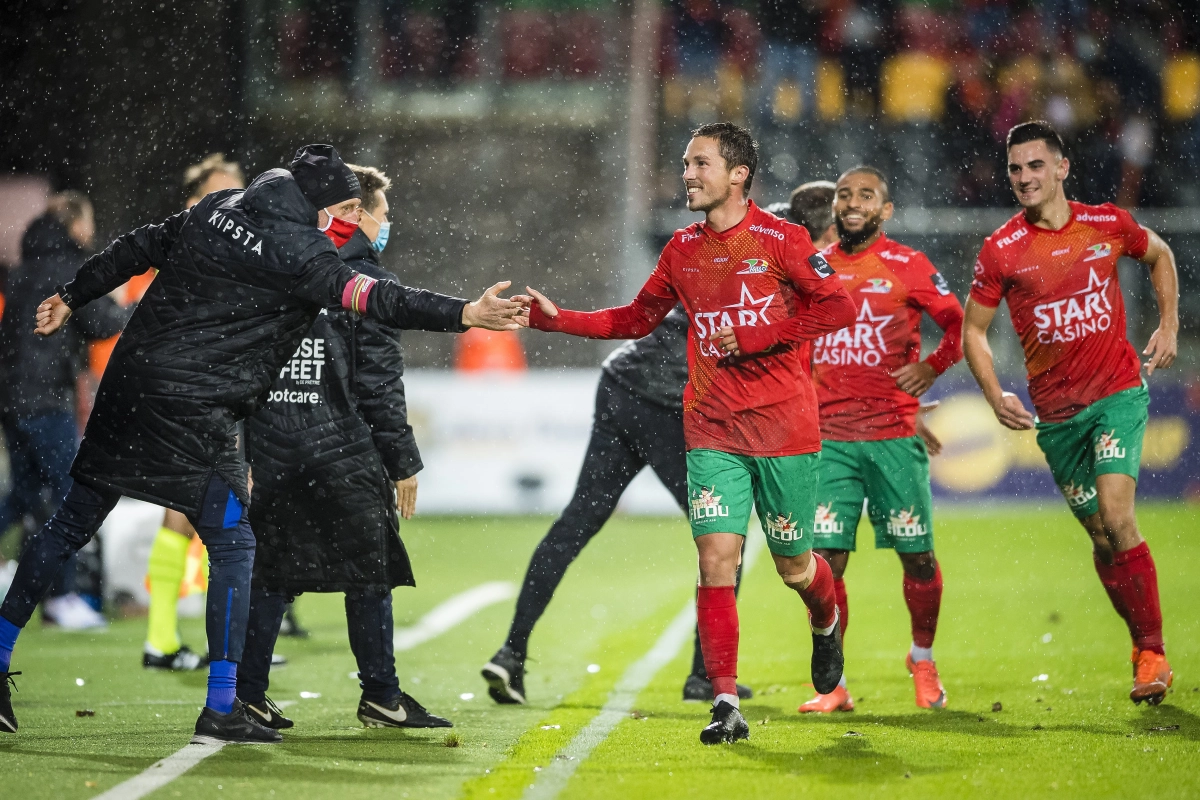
(452, 612)
(553, 779)
(161, 773)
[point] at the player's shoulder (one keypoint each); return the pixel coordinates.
(768, 226)
(1106, 216)
(685, 240)
(1006, 238)
(898, 255)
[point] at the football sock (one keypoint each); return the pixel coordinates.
(222, 686)
(819, 596)
(732, 699)
(168, 561)
(839, 592)
(1110, 577)
(842, 681)
(920, 653)
(8, 640)
(924, 600)
(717, 621)
(1138, 587)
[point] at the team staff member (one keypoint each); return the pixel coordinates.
(242, 276)
(1056, 264)
(334, 460)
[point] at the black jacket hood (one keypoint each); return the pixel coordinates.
(358, 249)
(45, 236)
(276, 195)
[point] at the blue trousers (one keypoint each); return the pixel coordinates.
(223, 527)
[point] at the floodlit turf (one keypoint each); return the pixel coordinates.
(1021, 601)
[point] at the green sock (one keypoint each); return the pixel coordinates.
(168, 559)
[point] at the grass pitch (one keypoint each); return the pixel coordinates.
(1024, 624)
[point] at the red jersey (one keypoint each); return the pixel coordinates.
(891, 286)
(763, 278)
(1065, 300)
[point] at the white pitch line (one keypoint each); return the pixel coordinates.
(553, 779)
(161, 773)
(452, 612)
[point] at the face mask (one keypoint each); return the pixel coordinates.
(381, 240)
(338, 230)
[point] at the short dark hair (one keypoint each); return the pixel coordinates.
(864, 169)
(69, 206)
(736, 146)
(1037, 130)
(371, 180)
(811, 206)
(198, 174)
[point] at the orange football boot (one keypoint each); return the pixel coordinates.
(837, 700)
(930, 693)
(1152, 677)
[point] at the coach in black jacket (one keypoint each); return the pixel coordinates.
(332, 456)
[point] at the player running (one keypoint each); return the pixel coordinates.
(756, 292)
(868, 379)
(1056, 265)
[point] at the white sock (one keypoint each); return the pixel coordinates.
(842, 682)
(732, 699)
(921, 653)
(829, 630)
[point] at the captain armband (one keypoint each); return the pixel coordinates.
(354, 296)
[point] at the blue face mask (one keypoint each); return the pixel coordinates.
(381, 240)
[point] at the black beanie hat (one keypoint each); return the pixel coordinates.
(323, 177)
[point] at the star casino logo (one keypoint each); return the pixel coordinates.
(1107, 448)
(827, 521)
(904, 524)
(876, 286)
(1075, 494)
(707, 506)
(754, 266)
(1099, 251)
(861, 343)
(782, 528)
(1080, 314)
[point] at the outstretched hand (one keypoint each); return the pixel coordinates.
(492, 311)
(547, 308)
(52, 314)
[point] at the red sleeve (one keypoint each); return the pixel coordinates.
(929, 292)
(830, 307)
(988, 287)
(1137, 240)
(633, 321)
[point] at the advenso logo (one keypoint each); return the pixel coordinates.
(767, 231)
(1084, 216)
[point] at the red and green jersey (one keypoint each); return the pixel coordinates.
(1065, 301)
(763, 278)
(891, 286)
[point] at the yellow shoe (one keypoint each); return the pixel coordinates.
(1152, 677)
(930, 693)
(837, 700)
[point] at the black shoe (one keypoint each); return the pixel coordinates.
(505, 675)
(268, 715)
(728, 725)
(8, 720)
(236, 727)
(827, 661)
(291, 626)
(698, 689)
(182, 660)
(402, 711)
(278, 660)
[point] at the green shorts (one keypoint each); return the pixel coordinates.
(722, 487)
(892, 475)
(1103, 439)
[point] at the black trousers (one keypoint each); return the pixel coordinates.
(628, 434)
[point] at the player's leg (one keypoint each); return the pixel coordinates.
(225, 530)
(609, 465)
(164, 572)
(383, 704)
(840, 494)
(263, 621)
(72, 526)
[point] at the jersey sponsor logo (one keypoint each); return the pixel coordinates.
(238, 233)
(1012, 238)
(1081, 314)
(1099, 251)
(888, 254)
(288, 396)
(749, 310)
(1084, 216)
(686, 237)
(904, 524)
(820, 265)
(705, 505)
(754, 266)
(783, 529)
(1062, 252)
(720, 260)
(1108, 448)
(1076, 495)
(768, 231)
(940, 284)
(861, 344)
(876, 286)
(307, 363)
(826, 521)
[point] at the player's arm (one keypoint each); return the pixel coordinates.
(1007, 406)
(632, 321)
(947, 312)
(1163, 345)
(129, 255)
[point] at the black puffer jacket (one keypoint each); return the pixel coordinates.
(242, 276)
(655, 366)
(325, 448)
(38, 373)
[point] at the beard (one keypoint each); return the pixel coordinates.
(851, 238)
(705, 207)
